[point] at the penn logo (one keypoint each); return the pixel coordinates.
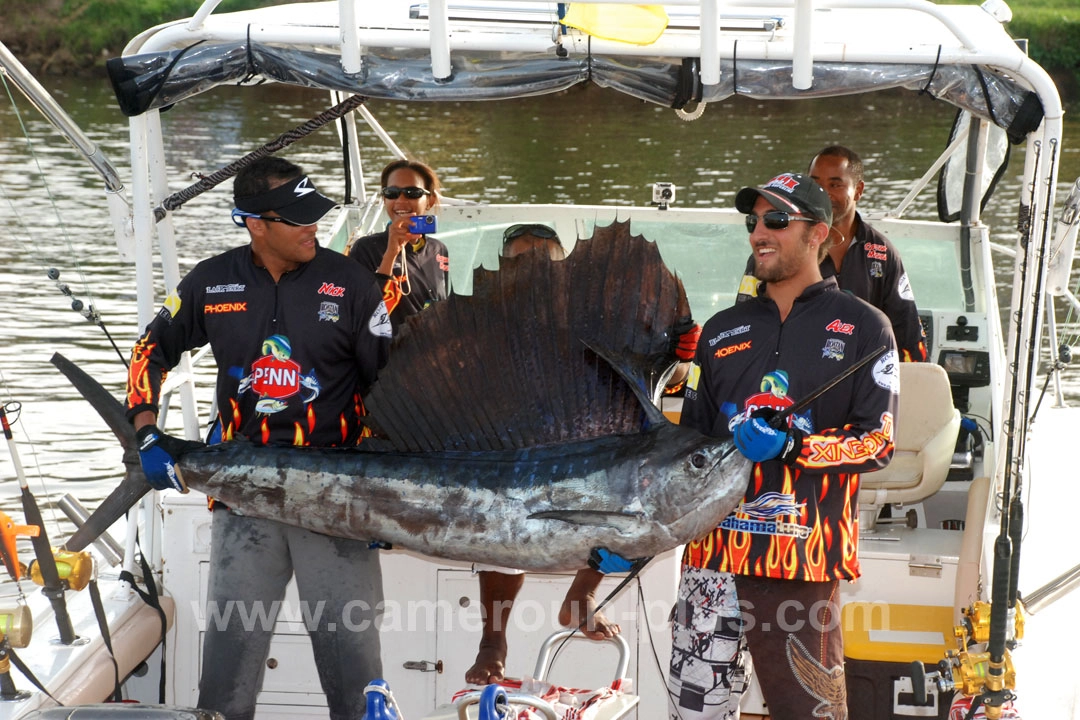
(332, 290)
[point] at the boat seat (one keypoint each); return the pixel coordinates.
(926, 428)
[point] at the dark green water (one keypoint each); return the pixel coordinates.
(586, 145)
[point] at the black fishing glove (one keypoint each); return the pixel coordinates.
(685, 335)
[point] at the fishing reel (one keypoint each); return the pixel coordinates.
(967, 670)
(16, 627)
(75, 569)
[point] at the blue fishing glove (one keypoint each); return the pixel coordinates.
(759, 441)
(605, 561)
(157, 453)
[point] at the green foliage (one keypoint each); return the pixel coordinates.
(100, 27)
(92, 29)
(1054, 35)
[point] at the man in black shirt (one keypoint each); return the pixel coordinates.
(298, 332)
(864, 262)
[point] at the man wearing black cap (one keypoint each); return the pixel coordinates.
(298, 333)
(776, 562)
(864, 261)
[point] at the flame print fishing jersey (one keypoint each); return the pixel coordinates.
(796, 521)
(428, 268)
(293, 357)
(872, 270)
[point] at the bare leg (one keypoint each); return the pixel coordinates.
(579, 606)
(497, 593)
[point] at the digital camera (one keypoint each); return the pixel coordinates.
(663, 193)
(422, 224)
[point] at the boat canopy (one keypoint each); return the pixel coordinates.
(959, 54)
(157, 80)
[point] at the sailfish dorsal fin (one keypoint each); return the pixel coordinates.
(527, 359)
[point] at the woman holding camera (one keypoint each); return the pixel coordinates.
(412, 266)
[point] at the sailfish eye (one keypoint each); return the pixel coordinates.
(697, 460)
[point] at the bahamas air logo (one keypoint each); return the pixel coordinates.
(770, 505)
(760, 516)
(275, 377)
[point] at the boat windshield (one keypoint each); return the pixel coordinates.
(707, 249)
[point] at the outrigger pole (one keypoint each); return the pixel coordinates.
(206, 182)
(119, 210)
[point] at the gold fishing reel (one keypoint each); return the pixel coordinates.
(16, 625)
(975, 626)
(968, 670)
(75, 569)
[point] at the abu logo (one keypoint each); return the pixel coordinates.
(732, 349)
(332, 290)
(839, 326)
(784, 182)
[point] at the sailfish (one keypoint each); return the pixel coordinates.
(513, 426)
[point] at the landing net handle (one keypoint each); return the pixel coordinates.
(177, 199)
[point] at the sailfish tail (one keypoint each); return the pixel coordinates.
(133, 486)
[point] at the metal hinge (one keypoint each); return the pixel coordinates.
(423, 665)
(924, 566)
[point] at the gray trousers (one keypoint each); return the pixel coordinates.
(340, 584)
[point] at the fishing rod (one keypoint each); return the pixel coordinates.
(776, 420)
(206, 182)
(996, 691)
(88, 311)
(52, 587)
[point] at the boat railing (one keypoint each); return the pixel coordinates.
(705, 39)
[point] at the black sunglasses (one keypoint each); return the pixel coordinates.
(413, 193)
(541, 231)
(775, 220)
(238, 216)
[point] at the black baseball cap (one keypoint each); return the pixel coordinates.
(296, 200)
(790, 192)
